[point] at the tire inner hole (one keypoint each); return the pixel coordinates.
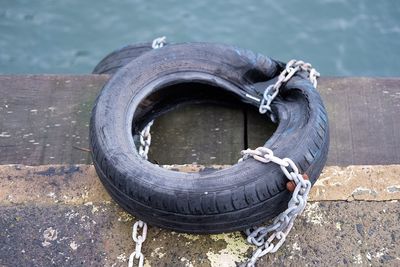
(201, 125)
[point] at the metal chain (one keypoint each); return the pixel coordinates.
(283, 223)
(145, 137)
(139, 239)
(272, 91)
(158, 42)
(145, 141)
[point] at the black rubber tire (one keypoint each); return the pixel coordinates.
(235, 198)
(119, 58)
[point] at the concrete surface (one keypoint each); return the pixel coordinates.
(60, 215)
(55, 212)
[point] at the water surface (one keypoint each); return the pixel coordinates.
(339, 37)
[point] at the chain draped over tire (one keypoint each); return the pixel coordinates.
(272, 91)
(283, 223)
(288, 99)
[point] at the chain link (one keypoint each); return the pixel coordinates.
(272, 91)
(139, 239)
(283, 223)
(145, 136)
(158, 42)
(145, 141)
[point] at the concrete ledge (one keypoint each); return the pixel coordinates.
(79, 184)
(328, 234)
(61, 215)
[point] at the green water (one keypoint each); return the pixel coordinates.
(339, 37)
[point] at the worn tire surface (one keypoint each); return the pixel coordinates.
(235, 198)
(119, 58)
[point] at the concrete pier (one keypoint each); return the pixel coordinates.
(55, 212)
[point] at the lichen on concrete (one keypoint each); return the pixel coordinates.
(233, 253)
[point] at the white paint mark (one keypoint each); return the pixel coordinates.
(73, 245)
(380, 253)
(70, 215)
(94, 208)
(321, 181)
(122, 257)
(296, 246)
(357, 259)
(393, 188)
(187, 262)
(368, 255)
(49, 235)
(313, 214)
(158, 253)
(4, 134)
(363, 191)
